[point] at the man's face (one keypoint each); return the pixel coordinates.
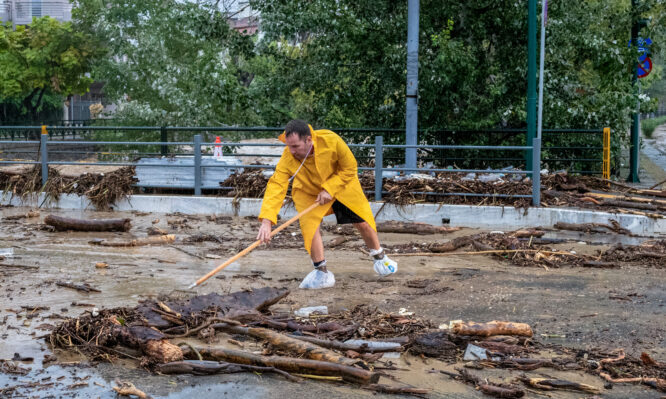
(299, 148)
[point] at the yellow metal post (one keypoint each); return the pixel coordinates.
(606, 155)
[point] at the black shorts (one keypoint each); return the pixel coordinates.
(344, 214)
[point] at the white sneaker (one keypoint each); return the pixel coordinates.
(385, 266)
(317, 279)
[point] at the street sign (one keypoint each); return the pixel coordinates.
(644, 66)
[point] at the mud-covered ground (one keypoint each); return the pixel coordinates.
(574, 307)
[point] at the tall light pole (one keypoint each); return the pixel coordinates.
(531, 76)
(411, 118)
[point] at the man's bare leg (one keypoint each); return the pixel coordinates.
(317, 249)
(369, 235)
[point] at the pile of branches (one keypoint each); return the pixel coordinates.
(527, 248)
(102, 189)
(251, 183)
(316, 346)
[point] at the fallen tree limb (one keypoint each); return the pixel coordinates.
(208, 367)
(31, 214)
(287, 343)
(627, 197)
(451, 245)
(80, 287)
(396, 390)
(152, 240)
(614, 226)
(494, 251)
(63, 224)
(128, 389)
(549, 384)
(600, 265)
(342, 346)
(290, 364)
(413, 228)
(488, 388)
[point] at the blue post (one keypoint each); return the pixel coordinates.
(43, 139)
(536, 171)
(197, 164)
(379, 161)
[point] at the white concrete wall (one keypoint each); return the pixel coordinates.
(487, 217)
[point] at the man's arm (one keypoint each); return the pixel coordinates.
(276, 190)
(347, 170)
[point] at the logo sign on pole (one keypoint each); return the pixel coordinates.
(644, 62)
(644, 66)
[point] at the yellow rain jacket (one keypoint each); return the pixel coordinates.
(333, 169)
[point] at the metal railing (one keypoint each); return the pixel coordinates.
(377, 150)
(578, 151)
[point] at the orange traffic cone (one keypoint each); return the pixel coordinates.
(217, 152)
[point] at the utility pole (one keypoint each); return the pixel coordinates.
(411, 118)
(531, 77)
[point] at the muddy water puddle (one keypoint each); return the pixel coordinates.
(567, 306)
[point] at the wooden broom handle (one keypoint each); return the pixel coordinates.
(254, 245)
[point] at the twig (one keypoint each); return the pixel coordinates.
(185, 252)
(497, 251)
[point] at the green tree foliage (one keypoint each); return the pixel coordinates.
(46, 60)
(172, 62)
(343, 62)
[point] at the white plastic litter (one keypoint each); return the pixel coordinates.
(306, 312)
(267, 173)
(470, 176)
(490, 177)
(374, 344)
(404, 312)
(385, 266)
(474, 352)
(317, 279)
(7, 252)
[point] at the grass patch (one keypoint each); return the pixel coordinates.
(648, 125)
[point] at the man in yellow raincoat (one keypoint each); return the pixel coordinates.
(324, 170)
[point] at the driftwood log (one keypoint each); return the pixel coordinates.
(288, 364)
(489, 388)
(287, 343)
(614, 226)
(413, 228)
(549, 384)
(152, 240)
(63, 224)
(208, 367)
(492, 328)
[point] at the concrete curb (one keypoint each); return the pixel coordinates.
(487, 217)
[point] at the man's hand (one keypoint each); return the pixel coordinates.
(265, 231)
(324, 197)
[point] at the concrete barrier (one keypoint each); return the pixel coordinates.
(487, 217)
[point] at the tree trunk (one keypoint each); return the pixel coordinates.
(290, 364)
(63, 224)
(167, 239)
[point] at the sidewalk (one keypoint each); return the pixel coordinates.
(653, 157)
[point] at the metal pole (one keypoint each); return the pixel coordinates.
(635, 121)
(43, 139)
(197, 164)
(536, 171)
(531, 76)
(379, 162)
(542, 57)
(164, 139)
(411, 123)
